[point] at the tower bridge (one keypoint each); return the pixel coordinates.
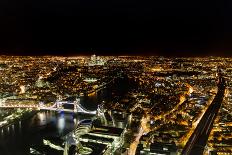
(57, 106)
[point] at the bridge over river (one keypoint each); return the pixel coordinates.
(57, 106)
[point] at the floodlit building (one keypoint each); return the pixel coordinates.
(96, 61)
(109, 136)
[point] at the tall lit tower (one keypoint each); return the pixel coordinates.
(93, 58)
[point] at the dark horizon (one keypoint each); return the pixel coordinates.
(119, 27)
(101, 53)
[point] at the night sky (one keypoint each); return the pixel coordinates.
(116, 27)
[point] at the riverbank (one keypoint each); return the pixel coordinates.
(13, 118)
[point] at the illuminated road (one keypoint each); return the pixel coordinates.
(144, 121)
(143, 129)
(182, 100)
(198, 140)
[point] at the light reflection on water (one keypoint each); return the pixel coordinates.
(42, 118)
(19, 137)
(61, 123)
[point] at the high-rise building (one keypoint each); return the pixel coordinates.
(96, 61)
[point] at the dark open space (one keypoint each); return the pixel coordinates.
(117, 27)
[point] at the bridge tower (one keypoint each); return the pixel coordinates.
(100, 110)
(101, 114)
(76, 103)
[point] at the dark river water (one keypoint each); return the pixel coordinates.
(19, 137)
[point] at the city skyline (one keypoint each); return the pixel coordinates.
(115, 77)
(115, 105)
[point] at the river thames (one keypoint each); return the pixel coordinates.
(19, 137)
